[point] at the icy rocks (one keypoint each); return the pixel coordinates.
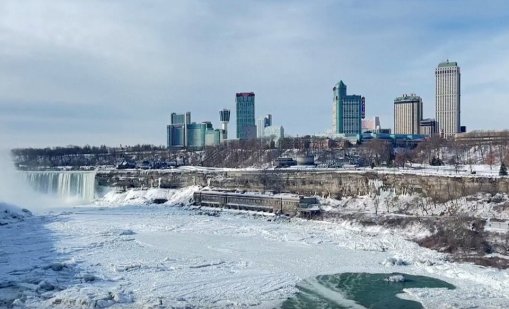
(395, 278)
(395, 261)
(126, 232)
(89, 278)
(127, 267)
(113, 298)
(56, 266)
(93, 298)
(12, 214)
(45, 286)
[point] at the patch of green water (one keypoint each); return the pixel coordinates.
(360, 290)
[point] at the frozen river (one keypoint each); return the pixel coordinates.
(161, 256)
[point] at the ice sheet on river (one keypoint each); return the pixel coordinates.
(138, 256)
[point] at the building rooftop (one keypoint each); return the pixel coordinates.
(245, 94)
(338, 85)
(447, 64)
(407, 98)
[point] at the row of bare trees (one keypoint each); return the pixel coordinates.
(477, 149)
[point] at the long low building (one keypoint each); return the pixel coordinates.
(483, 137)
(397, 140)
(287, 205)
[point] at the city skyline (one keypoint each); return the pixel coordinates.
(93, 72)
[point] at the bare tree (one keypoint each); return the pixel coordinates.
(402, 157)
(377, 151)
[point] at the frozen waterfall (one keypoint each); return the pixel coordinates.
(68, 185)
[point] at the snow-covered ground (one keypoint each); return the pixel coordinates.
(481, 170)
(140, 196)
(148, 256)
(482, 205)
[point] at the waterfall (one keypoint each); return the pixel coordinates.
(69, 186)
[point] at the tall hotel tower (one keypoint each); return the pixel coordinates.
(347, 111)
(407, 114)
(246, 127)
(448, 94)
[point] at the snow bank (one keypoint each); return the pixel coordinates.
(11, 214)
(141, 197)
(482, 205)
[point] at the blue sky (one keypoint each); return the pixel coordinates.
(111, 71)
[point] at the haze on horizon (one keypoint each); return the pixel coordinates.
(111, 72)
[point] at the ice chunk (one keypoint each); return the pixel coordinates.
(395, 261)
(127, 232)
(395, 278)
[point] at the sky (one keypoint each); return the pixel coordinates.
(112, 71)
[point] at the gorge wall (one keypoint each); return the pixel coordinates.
(335, 184)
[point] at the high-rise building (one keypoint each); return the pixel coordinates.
(347, 111)
(180, 118)
(246, 127)
(196, 134)
(182, 133)
(177, 130)
(407, 114)
(262, 123)
(448, 98)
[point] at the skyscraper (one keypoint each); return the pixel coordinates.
(347, 111)
(407, 114)
(262, 123)
(448, 98)
(182, 133)
(246, 127)
(177, 130)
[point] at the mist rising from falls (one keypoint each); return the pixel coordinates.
(68, 186)
(15, 190)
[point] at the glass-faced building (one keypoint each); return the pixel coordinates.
(213, 137)
(196, 135)
(246, 127)
(175, 136)
(347, 111)
(177, 130)
(182, 133)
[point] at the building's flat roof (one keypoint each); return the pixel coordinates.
(407, 98)
(245, 94)
(447, 64)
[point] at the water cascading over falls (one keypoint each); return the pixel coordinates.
(68, 185)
